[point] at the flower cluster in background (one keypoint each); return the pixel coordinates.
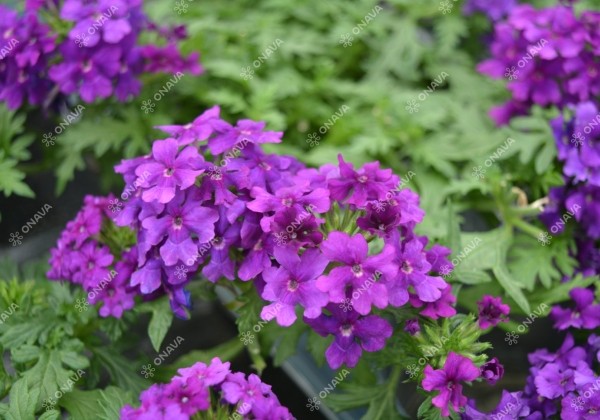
(495, 10)
(337, 241)
(549, 55)
(99, 57)
(192, 390)
(82, 258)
(560, 383)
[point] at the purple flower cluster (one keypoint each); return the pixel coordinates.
(561, 383)
(200, 388)
(99, 57)
(550, 57)
(494, 9)
(208, 201)
(26, 47)
(81, 257)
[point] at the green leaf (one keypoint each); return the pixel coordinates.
(47, 375)
(288, 343)
(97, 404)
(123, 373)
(23, 401)
(511, 285)
(162, 318)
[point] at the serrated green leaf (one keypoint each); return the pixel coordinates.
(162, 318)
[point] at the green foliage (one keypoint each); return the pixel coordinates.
(14, 143)
(53, 347)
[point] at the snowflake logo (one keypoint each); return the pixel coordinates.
(281, 238)
(247, 73)
(544, 238)
(181, 272)
(446, 7)
(181, 7)
(15, 239)
(511, 73)
(446, 271)
(115, 205)
(313, 139)
(148, 106)
(346, 305)
(577, 403)
(48, 139)
(81, 305)
(147, 371)
(511, 338)
(412, 371)
(379, 206)
(412, 106)
(346, 40)
(215, 173)
(577, 139)
(247, 338)
(478, 172)
(313, 404)
(48, 404)
(81, 40)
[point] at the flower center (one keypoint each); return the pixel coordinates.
(357, 270)
(346, 330)
(185, 400)
(362, 179)
(169, 172)
(406, 267)
(381, 227)
(287, 202)
(218, 242)
(265, 166)
(292, 285)
(178, 222)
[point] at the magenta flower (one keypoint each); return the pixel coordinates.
(169, 168)
(492, 311)
(365, 277)
(294, 282)
(368, 183)
(447, 381)
(492, 371)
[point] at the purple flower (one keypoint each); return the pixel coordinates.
(182, 221)
(495, 10)
(198, 130)
(368, 183)
(512, 405)
(441, 308)
(585, 314)
(492, 311)
(294, 282)
(554, 381)
(412, 326)
(492, 371)
(246, 131)
(353, 334)
(357, 271)
(169, 168)
(447, 381)
(414, 271)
